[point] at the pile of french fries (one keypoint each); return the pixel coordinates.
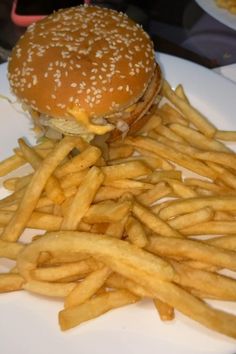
(152, 215)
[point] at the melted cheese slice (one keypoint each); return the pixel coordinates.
(82, 118)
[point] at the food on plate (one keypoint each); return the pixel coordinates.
(125, 223)
(85, 71)
(229, 5)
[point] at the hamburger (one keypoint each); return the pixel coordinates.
(86, 71)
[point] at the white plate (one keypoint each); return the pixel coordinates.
(28, 323)
(219, 14)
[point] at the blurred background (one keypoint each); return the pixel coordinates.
(180, 28)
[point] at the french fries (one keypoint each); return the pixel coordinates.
(11, 282)
(153, 222)
(196, 217)
(86, 289)
(190, 113)
(57, 273)
(52, 188)
(13, 230)
(166, 312)
(83, 198)
(192, 250)
(182, 206)
(124, 220)
(95, 307)
(136, 232)
(49, 289)
(10, 249)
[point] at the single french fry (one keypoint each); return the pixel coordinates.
(10, 282)
(10, 183)
(82, 199)
(153, 121)
(204, 192)
(85, 159)
(179, 90)
(23, 181)
(192, 249)
(214, 227)
(197, 139)
(126, 183)
(56, 273)
(224, 216)
(159, 191)
(87, 288)
(117, 281)
(158, 176)
(37, 220)
(108, 192)
(152, 162)
(181, 189)
(49, 289)
(52, 187)
(43, 202)
(165, 311)
(32, 194)
(12, 198)
(183, 206)
(153, 221)
(225, 135)
(10, 164)
(226, 242)
(46, 145)
(129, 169)
(196, 182)
(83, 226)
(95, 307)
(49, 209)
(190, 219)
(192, 114)
(135, 231)
(226, 159)
(107, 211)
(73, 179)
(70, 192)
(10, 249)
(201, 265)
(99, 228)
(116, 229)
(120, 151)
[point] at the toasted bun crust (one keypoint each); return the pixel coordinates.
(86, 56)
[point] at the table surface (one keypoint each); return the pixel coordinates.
(179, 28)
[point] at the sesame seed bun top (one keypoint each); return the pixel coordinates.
(86, 56)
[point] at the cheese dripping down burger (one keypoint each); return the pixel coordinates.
(85, 71)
